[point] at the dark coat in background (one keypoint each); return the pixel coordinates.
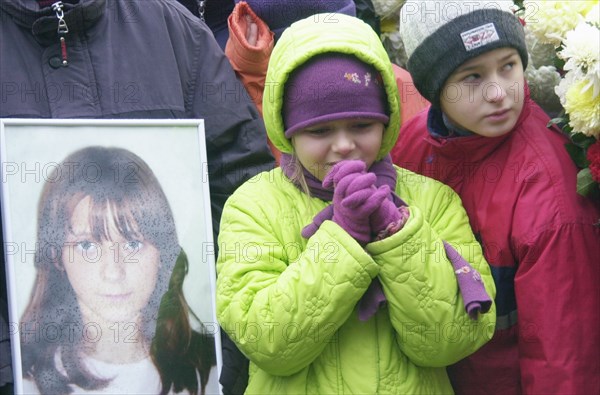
(128, 59)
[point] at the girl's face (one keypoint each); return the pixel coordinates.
(321, 146)
(113, 279)
(485, 95)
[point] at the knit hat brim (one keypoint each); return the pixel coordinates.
(459, 40)
(330, 87)
(335, 117)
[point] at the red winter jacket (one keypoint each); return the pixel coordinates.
(539, 237)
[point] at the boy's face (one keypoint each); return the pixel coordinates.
(485, 95)
(321, 146)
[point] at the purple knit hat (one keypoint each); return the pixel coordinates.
(332, 86)
(280, 14)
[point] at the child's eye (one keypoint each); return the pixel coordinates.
(86, 245)
(509, 66)
(133, 245)
(472, 77)
(362, 125)
(318, 132)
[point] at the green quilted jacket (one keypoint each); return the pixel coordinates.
(289, 303)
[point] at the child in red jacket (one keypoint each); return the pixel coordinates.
(487, 139)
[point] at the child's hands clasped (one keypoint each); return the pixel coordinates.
(387, 213)
(355, 198)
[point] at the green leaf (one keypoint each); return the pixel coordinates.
(577, 154)
(585, 182)
(558, 62)
(520, 8)
(582, 140)
(556, 121)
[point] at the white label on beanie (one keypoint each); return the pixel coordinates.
(479, 36)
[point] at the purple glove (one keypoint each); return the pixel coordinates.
(371, 301)
(475, 297)
(385, 214)
(355, 198)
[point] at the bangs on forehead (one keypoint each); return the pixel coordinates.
(106, 215)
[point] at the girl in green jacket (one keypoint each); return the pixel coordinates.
(339, 272)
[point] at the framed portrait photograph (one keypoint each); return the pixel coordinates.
(109, 256)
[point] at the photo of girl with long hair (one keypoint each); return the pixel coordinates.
(108, 294)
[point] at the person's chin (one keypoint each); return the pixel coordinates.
(496, 129)
(499, 125)
(495, 133)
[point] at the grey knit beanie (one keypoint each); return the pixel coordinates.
(439, 36)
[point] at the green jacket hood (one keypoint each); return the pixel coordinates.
(315, 35)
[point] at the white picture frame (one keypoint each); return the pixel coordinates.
(31, 152)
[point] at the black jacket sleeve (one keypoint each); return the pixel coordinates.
(236, 139)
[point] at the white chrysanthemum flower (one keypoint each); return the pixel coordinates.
(540, 54)
(542, 83)
(550, 20)
(563, 86)
(385, 8)
(392, 42)
(593, 16)
(395, 48)
(582, 108)
(581, 50)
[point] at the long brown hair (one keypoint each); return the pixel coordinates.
(123, 189)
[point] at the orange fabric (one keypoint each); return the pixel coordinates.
(250, 62)
(411, 100)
